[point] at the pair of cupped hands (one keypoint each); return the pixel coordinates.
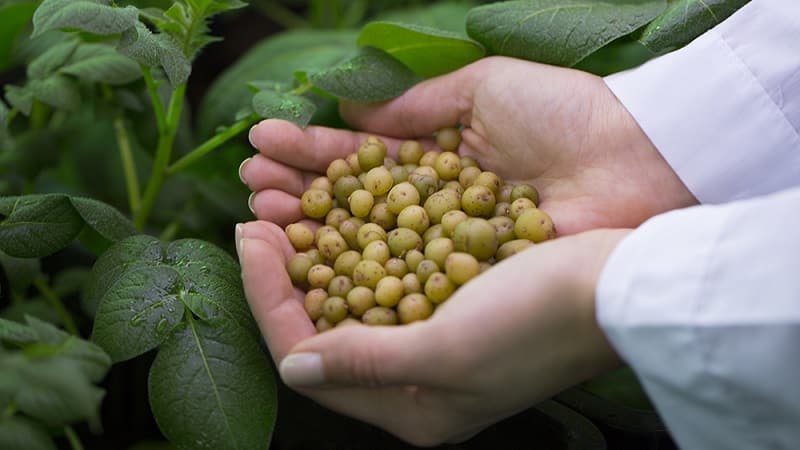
(513, 336)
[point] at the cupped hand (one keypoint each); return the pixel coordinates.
(561, 130)
(481, 357)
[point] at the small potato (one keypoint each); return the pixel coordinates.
(300, 236)
(380, 315)
(414, 307)
(316, 203)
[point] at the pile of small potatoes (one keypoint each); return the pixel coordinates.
(400, 236)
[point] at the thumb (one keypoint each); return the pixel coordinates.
(362, 356)
(427, 107)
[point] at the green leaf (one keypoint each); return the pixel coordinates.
(275, 58)
(90, 359)
(20, 98)
(156, 50)
(48, 62)
(20, 271)
(426, 51)
(92, 16)
(685, 20)
(16, 332)
(57, 91)
(101, 63)
(22, 433)
(14, 18)
(284, 105)
(142, 286)
(103, 218)
(53, 390)
(138, 312)
(210, 388)
(37, 225)
(559, 32)
(370, 76)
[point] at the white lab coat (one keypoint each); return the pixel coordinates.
(704, 302)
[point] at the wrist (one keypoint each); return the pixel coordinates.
(653, 185)
(594, 353)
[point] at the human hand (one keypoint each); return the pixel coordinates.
(558, 129)
(477, 360)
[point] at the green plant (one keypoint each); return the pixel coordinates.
(100, 150)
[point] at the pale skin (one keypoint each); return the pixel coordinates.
(440, 380)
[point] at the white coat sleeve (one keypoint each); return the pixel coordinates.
(704, 304)
(724, 111)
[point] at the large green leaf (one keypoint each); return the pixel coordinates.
(210, 389)
(210, 384)
(426, 51)
(37, 225)
(23, 433)
(684, 20)
(275, 58)
(14, 17)
(93, 16)
(284, 105)
(103, 218)
(559, 32)
(370, 76)
(143, 290)
(101, 63)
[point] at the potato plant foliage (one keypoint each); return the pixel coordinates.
(102, 154)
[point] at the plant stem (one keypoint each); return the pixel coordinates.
(280, 14)
(128, 164)
(57, 305)
(211, 144)
(155, 98)
(163, 153)
(72, 437)
(302, 89)
(38, 115)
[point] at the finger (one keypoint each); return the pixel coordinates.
(276, 206)
(281, 318)
(367, 356)
(429, 106)
(260, 173)
(312, 148)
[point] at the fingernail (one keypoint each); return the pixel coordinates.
(250, 202)
(241, 168)
(238, 238)
(302, 370)
(250, 135)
